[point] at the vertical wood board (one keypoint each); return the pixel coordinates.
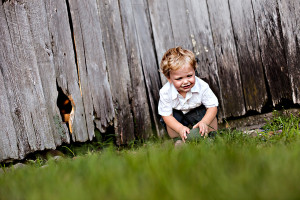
(23, 84)
(117, 67)
(225, 50)
(290, 21)
(65, 66)
(140, 107)
(179, 23)
(252, 74)
(7, 64)
(148, 58)
(272, 49)
(37, 17)
(91, 63)
(162, 29)
(203, 46)
(8, 139)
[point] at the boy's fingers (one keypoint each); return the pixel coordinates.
(206, 134)
(203, 131)
(183, 139)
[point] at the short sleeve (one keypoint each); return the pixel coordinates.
(209, 99)
(164, 104)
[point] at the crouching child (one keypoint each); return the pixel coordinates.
(185, 101)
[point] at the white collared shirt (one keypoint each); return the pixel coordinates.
(199, 94)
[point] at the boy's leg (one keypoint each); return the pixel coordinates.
(172, 133)
(179, 116)
(213, 126)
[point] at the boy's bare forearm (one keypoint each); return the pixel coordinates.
(210, 114)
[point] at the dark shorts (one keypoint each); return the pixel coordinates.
(189, 119)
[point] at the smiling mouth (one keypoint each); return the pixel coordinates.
(186, 86)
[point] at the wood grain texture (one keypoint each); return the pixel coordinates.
(8, 138)
(148, 58)
(272, 49)
(37, 18)
(13, 94)
(225, 50)
(290, 21)
(162, 29)
(139, 98)
(179, 23)
(251, 68)
(22, 82)
(117, 66)
(91, 63)
(203, 46)
(65, 66)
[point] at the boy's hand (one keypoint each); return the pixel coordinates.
(203, 128)
(183, 131)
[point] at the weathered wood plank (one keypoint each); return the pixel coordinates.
(117, 66)
(8, 138)
(22, 82)
(149, 63)
(139, 98)
(162, 29)
(203, 46)
(290, 21)
(179, 23)
(272, 49)
(249, 57)
(7, 62)
(91, 63)
(65, 66)
(228, 68)
(37, 17)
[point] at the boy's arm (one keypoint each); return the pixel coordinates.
(209, 116)
(176, 126)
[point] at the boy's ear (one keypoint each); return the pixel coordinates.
(169, 80)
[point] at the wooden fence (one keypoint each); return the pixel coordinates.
(69, 67)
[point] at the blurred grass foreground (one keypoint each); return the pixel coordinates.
(233, 165)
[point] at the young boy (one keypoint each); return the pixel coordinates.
(185, 100)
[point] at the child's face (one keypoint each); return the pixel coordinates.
(183, 79)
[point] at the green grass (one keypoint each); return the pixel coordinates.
(231, 166)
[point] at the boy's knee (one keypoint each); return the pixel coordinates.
(213, 125)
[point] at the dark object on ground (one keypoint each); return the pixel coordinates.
(194, 135)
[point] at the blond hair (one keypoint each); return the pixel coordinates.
(175, 58)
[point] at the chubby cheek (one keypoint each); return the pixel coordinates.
(177, 84)
(193, 82)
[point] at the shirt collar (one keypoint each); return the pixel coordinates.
(175, 93)
(196, 87)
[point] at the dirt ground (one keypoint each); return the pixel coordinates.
(254, 122)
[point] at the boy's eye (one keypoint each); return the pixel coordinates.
(189, 75)
(178, 79)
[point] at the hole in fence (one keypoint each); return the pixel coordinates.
(64, 103)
